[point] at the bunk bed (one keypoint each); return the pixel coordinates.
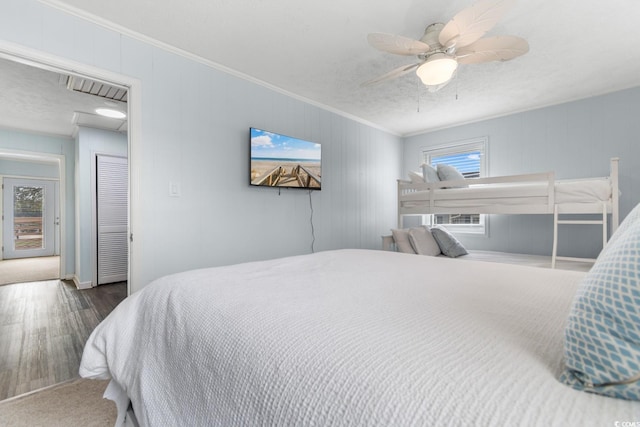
(538, 193)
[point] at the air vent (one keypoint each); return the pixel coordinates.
(92, 87)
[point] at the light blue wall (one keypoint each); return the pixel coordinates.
(576, 140)
(90, 142)
(28, 169)
(23, 141)
(195, 132)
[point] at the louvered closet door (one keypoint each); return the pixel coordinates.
(112, 188)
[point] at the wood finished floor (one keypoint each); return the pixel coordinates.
(43, 329)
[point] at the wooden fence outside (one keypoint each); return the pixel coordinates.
(27, 232)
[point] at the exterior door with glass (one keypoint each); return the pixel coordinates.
(28, 218)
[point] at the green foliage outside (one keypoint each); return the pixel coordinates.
(28, 201)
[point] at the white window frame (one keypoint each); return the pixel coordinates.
(474, 144)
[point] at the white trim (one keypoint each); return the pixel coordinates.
(135, 156)
(57, 4)
(30, 156)
(81, 285)
(62, 211)
(25, 176)
(40, 59)
(94, 225)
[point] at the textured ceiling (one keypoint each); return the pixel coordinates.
(317, 50)
(38, 100)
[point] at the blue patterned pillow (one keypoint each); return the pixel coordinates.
(629, 220)
(602, 337)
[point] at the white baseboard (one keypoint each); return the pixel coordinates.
(81, 285)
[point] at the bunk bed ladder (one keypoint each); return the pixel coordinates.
(557, 221)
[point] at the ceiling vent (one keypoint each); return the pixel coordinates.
(92, 87)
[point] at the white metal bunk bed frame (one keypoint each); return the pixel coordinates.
(421, 198)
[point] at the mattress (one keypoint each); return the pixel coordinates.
(348, 337)
(541, 261)
(590, 190)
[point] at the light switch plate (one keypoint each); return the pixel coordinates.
(174, 189)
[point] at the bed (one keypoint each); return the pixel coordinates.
(537, 193)
(348, 337)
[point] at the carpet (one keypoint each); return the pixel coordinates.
(24, 270)
(77, 402)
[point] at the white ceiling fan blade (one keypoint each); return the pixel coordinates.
(397, 44)
(499, 48)
(473, 22)
(400, 71)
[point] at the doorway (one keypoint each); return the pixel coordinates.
(12, 148)
(31, 218)
(27, 245)
(39, 60)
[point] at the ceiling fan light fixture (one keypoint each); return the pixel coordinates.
(109, 112)
(438, 69)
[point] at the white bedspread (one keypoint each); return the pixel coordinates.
(349, 337)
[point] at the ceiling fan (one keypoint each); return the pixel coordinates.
(443, 47)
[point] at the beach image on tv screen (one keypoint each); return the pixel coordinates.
(281, 161)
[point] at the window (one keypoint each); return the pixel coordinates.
(469, 157)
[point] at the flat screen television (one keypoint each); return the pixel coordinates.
(282, 161)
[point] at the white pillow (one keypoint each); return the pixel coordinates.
(401, 238)
(416, 178)
(423, 242)
(429, 173)
(450, 173)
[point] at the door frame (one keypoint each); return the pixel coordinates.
(55, 238)
(39, 59)
(6, 153)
